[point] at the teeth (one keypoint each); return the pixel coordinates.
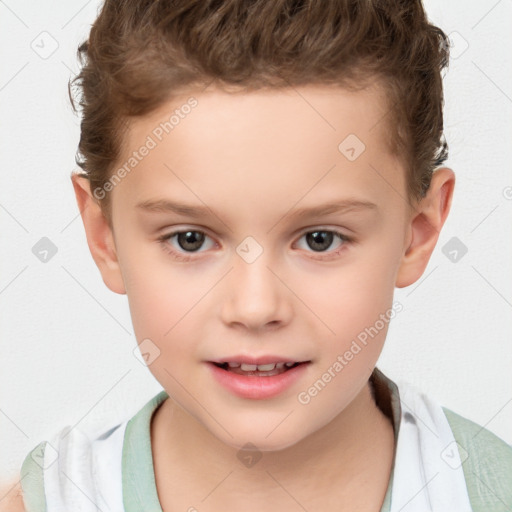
(266, 367)
(258, 367)
(249, 367)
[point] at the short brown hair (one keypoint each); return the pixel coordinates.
(141, 52)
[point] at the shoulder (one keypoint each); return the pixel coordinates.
(486, 462)
(11, 498)
(32, 479)
(92, 460)
(67, 451)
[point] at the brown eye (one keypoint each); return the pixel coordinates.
(190, 240)
(320, 240)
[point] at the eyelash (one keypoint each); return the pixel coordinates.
(163, 240)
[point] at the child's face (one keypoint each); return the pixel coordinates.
(256, 286)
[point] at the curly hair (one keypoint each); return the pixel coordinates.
(142, 52)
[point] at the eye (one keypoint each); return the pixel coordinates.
(189, 241)
(320, 239)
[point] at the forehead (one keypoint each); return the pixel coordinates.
(285, 145)
(312, 110)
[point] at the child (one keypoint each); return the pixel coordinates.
(261, 126)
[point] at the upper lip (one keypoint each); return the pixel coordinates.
(266, 359)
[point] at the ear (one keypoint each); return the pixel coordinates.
(427, 219)
(100, 237)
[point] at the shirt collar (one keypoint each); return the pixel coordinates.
(138, 476)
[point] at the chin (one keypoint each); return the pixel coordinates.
(258, 439)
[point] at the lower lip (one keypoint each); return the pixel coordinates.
(255, 387)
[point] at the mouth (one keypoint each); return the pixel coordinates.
(258, 370)
(258, 378)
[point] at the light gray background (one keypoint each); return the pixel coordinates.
(67, 341)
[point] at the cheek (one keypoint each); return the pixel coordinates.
(350, 297)
(159, 290)
(164, 315)
(165, 309)
(162, 303)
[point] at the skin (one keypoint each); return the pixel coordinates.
(252, 159)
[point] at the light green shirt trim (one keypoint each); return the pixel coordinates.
(486, 462)
(139, 486)
(32, 480)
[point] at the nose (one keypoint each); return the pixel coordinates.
(253, 296)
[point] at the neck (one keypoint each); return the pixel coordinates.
(350, 459)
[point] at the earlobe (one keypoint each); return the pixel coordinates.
(426, 222)
(100, 237)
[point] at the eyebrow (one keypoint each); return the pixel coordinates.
(198, 212)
